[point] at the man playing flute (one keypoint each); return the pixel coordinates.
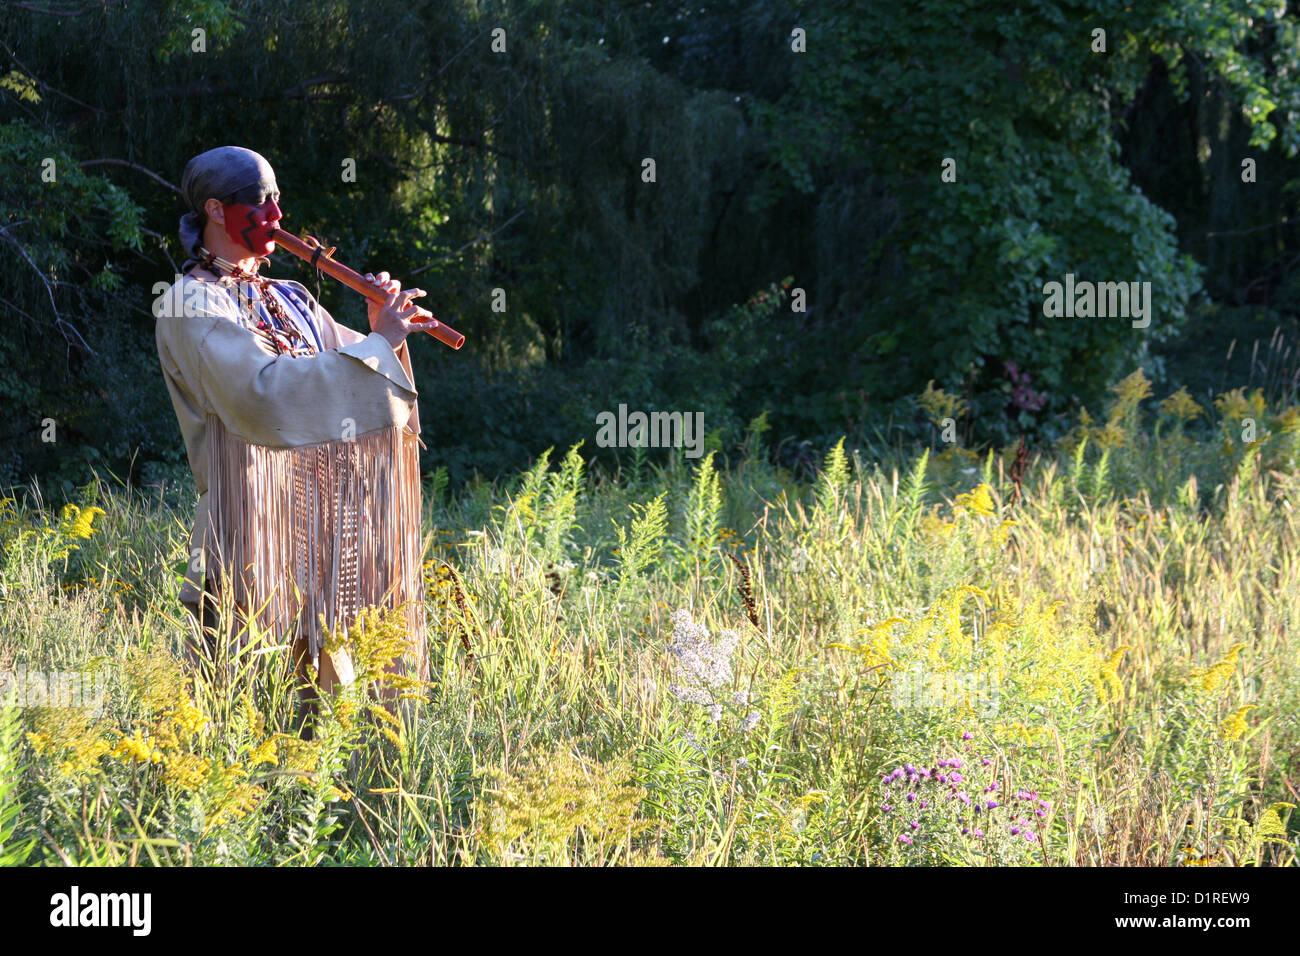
(301, 433)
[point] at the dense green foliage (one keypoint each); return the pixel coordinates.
(782, 178)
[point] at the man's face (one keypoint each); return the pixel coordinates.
(248, 223)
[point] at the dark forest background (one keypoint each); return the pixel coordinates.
(777, 171)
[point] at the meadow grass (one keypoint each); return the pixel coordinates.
(1088, 658)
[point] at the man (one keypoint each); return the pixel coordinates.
(300, 431)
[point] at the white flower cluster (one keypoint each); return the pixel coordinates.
(703, 666)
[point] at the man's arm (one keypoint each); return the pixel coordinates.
(278, 400)
(337, 335)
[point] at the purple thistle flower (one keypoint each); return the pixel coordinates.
(993, 805)
(987, 762)
(1015, 831)
(904, 838)
(979, 834)
(916, 825)
(967, 735)
(1030, 836)
(911, 797)
(956, 777)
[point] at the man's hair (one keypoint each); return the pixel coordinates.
(227, 173)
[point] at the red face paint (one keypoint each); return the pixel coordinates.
(249, 226)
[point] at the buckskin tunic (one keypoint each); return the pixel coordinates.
(302, 440)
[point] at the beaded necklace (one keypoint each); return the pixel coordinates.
(276, 327)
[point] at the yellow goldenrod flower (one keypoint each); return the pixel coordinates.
(1181, 406)
(979, 500)
(1108, 682)
(264, 753)
(187, 771)
(137, 748)
(1234, 725)
(1210, 679)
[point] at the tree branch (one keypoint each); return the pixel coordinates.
(139, 169)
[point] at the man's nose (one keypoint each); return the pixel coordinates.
(273, 211)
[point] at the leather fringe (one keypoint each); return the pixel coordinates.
(318, 530)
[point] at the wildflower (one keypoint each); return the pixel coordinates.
(1181, 405)
(264, 753)
(750, 721)
(904, 838)
(992, 804)
(1234, 725)
(1210, 679)
(978, 501)
(967, 735)
(1107, 680)
(137, 748)
(702, 666)
(956, 777)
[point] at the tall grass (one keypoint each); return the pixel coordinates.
(713, 664)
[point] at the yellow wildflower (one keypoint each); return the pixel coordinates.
(1181, 405)
(187, 771)
(263, 753)
(1003, 531)
(979, 500)
(939, 405)
(77, 523)
(137, 748)
(1211, 679)
(1108, 683)
(1234, 725)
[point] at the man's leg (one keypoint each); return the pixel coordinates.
(202, 642)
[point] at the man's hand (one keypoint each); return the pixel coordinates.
(392, 320)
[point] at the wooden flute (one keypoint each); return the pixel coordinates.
(311, 251)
